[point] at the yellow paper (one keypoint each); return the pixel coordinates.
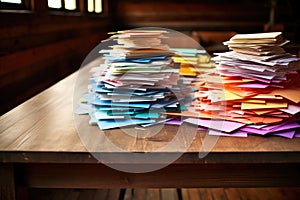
(187, 70)
(254, 101)
(247, 106)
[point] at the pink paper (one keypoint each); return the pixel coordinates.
(233, 134)
(253, 85)
(291, 109)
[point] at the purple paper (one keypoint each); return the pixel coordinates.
(297, 134)
(283, 126)
(286, 133)
(174, 122)
(256, 131)
(271, 128)
(221, 125)
(201, 128)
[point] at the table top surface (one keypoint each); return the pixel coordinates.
(46, 123)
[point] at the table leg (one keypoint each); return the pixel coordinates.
(7, 182)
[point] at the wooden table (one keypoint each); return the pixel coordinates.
(40, 147)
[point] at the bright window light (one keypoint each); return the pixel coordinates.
(90, 6)
(98, 6)
(70, 4)
(12, 1)
(54, 3)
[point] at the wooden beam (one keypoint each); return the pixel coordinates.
(173, 176)
(7, 182)
(39, 5)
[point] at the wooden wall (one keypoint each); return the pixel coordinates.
(241, 16)
(213, 15)
(236, 15)
(40, 47)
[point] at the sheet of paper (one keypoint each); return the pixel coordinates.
(267, 105)
(174, 122)
(282, 126)
(286, 133)
(292, 109)
(109, 124)
(233, 134)
(251, 130)
(292, 94)
(221, 125)
(83, 109)
(104, 115)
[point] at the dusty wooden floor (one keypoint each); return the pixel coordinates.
(167, 194)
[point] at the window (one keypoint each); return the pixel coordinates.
(63, 4)
(70, 4)
(12, 4)
(94, 6)
(12, 1)
(83, 6)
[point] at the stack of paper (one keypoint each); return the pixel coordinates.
(192, 61)
(258, 57)
(137, 83)
(254, 91)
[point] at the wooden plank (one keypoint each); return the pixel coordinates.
(78, 156)
(193, 15)
(139, 194)
(41, 67)
(194, 194)
(232, 193)
(39, 5)
(200, 193)
(218, 193)
(39, 23)
(205, 193)
(238, 26)
(212, 175)
(11, 62)
(153, 194)
(7, 182)
(169, 193)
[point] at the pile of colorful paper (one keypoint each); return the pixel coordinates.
(137, 83)
(255, 89)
